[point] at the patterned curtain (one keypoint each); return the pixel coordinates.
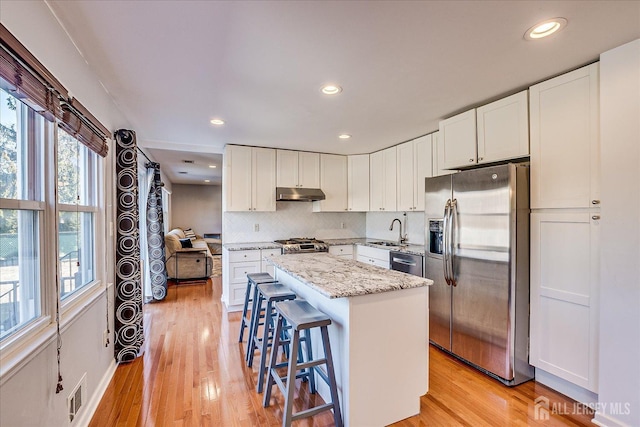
(129, 334)
(155, 235)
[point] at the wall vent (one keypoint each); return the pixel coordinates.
(76, 399)
(188, 161)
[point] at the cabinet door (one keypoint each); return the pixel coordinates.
(266, 267)
(333, 182)
(237, 178)
(458, 135)
(390, 179)
(422, 169)
(405, 176)
(503, 129)
(287, 168)
(308, 170)
(564, 114)
(564, 295)
(358, 183)
(376, 194)
(437, 153)
(264, 179)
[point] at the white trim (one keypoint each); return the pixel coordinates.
(35, 343)
(80, 299)
(89, 410)
(26, 205)
(606, 421)
(567, 388)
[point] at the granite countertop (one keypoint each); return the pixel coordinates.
(336, 277)
(251, 246)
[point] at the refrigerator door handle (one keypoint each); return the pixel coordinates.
(445, 243)
(453, 214)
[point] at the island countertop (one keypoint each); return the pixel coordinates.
(336, 277)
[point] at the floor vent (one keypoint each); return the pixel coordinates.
(77, 398)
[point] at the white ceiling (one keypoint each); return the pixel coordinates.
(171, 66)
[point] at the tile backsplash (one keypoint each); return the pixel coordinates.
(378, 226)
(291, 219)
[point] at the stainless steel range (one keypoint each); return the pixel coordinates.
(303, 244)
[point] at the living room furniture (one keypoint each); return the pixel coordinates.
(187, 263)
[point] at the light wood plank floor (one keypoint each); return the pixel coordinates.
(193, 373)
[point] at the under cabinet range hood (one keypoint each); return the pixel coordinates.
(290, 194)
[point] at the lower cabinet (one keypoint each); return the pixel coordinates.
(342, 251)
(373, 256)
(235, 267)
(564, 295)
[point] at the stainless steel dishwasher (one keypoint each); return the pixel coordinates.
(407, 263)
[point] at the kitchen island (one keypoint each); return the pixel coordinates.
(379, 333)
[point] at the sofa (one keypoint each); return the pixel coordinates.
(185, 263)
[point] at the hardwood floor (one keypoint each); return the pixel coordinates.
(193, 373)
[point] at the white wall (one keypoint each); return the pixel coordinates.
(198, 207)
(291, 219)
(619, 367)
(28, 393)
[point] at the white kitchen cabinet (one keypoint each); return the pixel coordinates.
(383, 171)
(564, 295)
(342, 251)
(333, 182)
(458, 134)
(358, 183)
(437, 153)
(564, 115)
(298, 169)
(373, 256)
(235, 267)
(414, 164)
(249, 179)
(503, 129)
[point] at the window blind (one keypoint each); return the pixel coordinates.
(28, 80)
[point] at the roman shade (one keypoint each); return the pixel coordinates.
(27, 79)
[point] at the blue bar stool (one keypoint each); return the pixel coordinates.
(302, 316)
(269, 294)
(252, 280)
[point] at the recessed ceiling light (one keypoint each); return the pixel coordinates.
(545, 28)
(344, 136)
(217, 122)
(331, 89)
(207, 180)
(212, 166)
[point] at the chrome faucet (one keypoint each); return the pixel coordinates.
(401, 238)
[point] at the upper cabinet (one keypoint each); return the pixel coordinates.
(414, 164)
(298, 169)
(333, 182)
(491, 133)
(358, 183)
(458, 133)
(503, 129)
(437, 154)
(564, 115)
(249, 179)
(382, 195)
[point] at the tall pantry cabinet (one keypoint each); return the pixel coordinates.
(565, 214)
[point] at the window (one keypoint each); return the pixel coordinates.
(22, 140)
(77, 209)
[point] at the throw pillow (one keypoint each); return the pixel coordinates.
(186, 243)
(190, 234)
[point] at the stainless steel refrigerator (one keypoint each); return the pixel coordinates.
(477, 254)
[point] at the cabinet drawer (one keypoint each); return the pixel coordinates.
(241, 256)
(239, 270)
(271, 252)
(341, 250)
(373, 261)
(369, 252)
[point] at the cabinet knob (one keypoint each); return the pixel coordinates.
(471, 160)
(480, 158)
(595, 202)
(595, 217)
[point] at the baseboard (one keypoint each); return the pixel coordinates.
(86, 414)
(606, 421)
(575, 392)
